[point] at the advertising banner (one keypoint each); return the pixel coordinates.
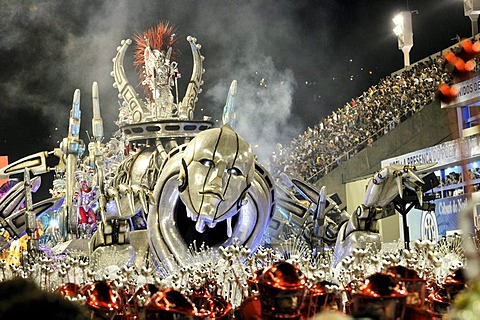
(447, 211)
(434, 225)
(441, 154)
(468, 92)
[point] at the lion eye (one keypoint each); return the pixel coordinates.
(207, 163)
(234, 171)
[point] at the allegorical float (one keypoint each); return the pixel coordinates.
(175, 218)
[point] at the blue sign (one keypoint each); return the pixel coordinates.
(447, 211)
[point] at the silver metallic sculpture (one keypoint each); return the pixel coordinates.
(212, 180)
(188, 183)
(169, 181)
(362, 230)
(224, 196)
(320, 219)
(172, 194)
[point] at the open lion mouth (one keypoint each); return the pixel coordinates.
(213, 234)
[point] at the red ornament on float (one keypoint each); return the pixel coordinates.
(68, 289)
(282, 291)
(382, 295)
(169, 304)
(102, 298)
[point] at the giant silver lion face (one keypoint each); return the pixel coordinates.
(217, 169)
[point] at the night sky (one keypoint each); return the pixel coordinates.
(313, 57)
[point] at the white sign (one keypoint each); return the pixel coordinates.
(468, 93)
(441, 154)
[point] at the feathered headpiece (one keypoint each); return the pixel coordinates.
(160, 38)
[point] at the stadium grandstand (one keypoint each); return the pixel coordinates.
(374, 126)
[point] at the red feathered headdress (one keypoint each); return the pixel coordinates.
(160, 38)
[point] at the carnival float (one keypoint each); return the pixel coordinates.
(175, 218)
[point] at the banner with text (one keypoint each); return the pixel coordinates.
(441, 154)
(468, 93)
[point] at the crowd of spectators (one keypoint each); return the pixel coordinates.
(361, 121)
(455, 179)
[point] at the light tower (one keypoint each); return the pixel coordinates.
(404, 33)
(472, 10)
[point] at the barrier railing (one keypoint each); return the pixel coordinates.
(354, 150)
(347, 155)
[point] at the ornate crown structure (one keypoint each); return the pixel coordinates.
(161, 114)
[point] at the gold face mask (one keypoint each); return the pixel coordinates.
(217, 169)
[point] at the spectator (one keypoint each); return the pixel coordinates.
(361, 121)
(23, 299)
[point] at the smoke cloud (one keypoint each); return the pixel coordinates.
(52, 50)
(272, 48)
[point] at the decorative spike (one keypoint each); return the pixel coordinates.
(398, 180)
(127, 191)
(131, 201)
(229, 228)
(425, 166)
(229, 108)
(143, 201)
(141, 195)
(168, 56)
(420, 196)
(113, 193)
(319, 217)
(200, 226)
(97, 122)
(187, 105)
(413, 175)
(121, 81)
